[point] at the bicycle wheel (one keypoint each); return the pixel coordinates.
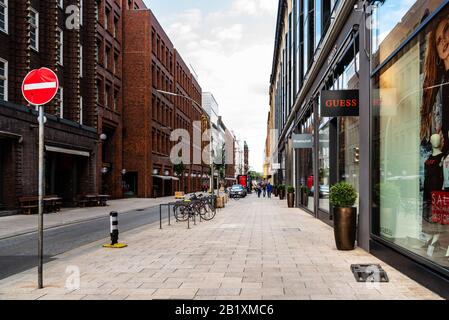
(208, 211)
(181, 212)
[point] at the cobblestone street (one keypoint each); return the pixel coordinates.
(253, 249)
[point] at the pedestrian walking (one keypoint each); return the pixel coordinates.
(264, 188)
(269, 190)
(259, 190)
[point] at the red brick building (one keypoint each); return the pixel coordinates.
(150, 64)
(108, 129)
(109, 41)
(34, 34)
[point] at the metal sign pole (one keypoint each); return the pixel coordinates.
(41, 197)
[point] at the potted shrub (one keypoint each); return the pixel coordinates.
(275, 190)
(291, 196)
(281, 190)
(305, 196)
(342, 198)
(387, 195)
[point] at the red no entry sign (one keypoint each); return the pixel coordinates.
(40, 86)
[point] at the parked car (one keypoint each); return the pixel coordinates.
(237, 191)
(324, 191)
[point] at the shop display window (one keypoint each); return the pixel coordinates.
(410, 106)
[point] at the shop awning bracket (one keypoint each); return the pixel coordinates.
(369, 273)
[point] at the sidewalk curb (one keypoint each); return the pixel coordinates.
(70, 223)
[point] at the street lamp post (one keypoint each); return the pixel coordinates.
(211, 136)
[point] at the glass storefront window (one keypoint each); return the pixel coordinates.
(324, 166)
(305, 168)
(411, 144)
(393, 21)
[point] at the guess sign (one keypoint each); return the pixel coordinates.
(340, 103)
(440, 207)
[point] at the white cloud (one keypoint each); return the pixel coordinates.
(231, 51)
(232, 33)
(254, 7)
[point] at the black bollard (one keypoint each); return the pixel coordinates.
(114, 227)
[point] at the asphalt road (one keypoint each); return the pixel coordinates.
(19, 253)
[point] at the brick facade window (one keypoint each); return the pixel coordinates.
(60, 44)
(81, 110)
(4, 16)
(81, 12)
(115, 100)
(3, 80)
(106, 18)
(107, 94)
(107, 56)
(34, 29)
(81, 61)
(59, 98)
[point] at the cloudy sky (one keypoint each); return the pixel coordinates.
(230, 45)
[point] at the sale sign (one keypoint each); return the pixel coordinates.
(440, 207)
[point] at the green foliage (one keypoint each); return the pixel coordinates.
(179, 168)
(281, 187)
(291, 189)
(342, 195)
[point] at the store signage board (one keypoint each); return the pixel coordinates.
(302, 141)
(340, 103)
(276, 166)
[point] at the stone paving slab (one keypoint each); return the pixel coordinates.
(254, 249)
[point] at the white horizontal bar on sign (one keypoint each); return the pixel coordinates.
(37, 86)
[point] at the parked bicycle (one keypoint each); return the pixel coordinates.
(196, 205)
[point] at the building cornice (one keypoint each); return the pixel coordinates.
(282, 7)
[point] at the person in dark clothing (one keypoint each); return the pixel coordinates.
(269, 190)
(259, 190)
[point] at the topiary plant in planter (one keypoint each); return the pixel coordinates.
(281, 189)
(291, 196)
(305, 195)
(275, 190)
(342, 198)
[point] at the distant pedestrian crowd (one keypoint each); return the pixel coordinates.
(264, 188)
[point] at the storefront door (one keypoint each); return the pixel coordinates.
(338, 145)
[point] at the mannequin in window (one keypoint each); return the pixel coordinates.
(433, 175)
(433, 181)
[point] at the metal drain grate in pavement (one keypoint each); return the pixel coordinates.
(291, 230)
(369, 273)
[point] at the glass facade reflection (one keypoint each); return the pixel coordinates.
(411, 139)
(306, 166)
(396, 153)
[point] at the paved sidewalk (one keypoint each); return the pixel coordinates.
(20, 224)
(254, 249)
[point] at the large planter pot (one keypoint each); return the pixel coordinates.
(305, 198)
(281, 194)
(345, 228)
(301, 198)
(275, 192)
(291, 200)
